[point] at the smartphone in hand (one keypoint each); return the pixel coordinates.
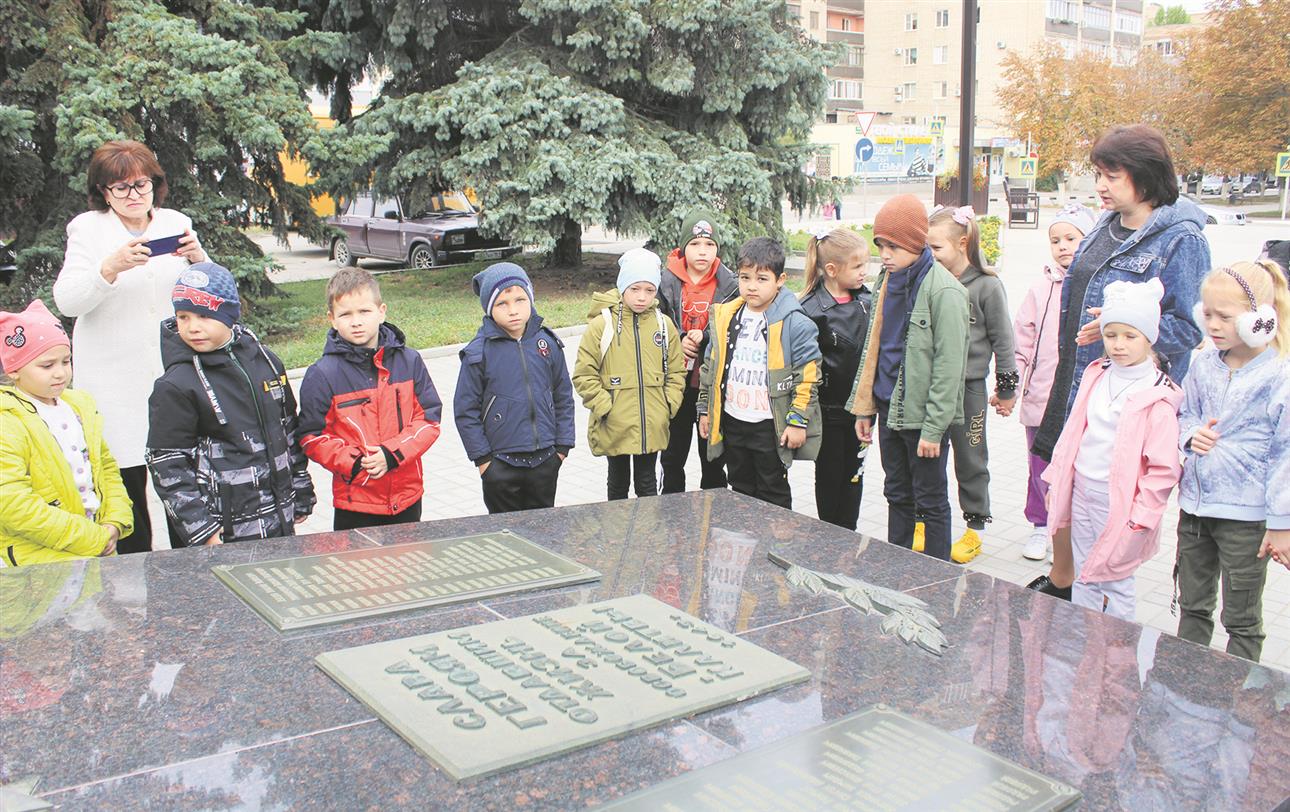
(164, 245)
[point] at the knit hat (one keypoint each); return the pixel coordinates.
(209, 290)
(699, 223)
(496, 278)
(26, 335)
(638, 265)
(1136, 304)
(902, 221)
(1079, 216)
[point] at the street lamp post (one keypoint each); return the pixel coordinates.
(967, 96)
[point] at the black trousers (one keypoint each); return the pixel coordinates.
(623, 466)
(753, 463)
(135, 479)
(916, 488)
(511, 487)
(839, 478)
(353, 520)
(682, 428)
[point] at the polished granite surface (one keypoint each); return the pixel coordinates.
(142, 682)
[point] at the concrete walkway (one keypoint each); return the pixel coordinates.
(453, 488)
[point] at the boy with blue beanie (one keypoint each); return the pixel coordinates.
(514, 401)
(222, 444)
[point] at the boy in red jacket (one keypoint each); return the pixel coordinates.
(368, 409)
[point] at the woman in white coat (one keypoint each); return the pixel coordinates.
(118, 289)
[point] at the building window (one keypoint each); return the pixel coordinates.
(940, 54)
(795, 13)
(855, 56)
(942, 89)
(1067, 46)
(815, 20)
(830, 118)
(908, 90)
(1065, 11)
(911, 56)
(943, 18)
(1165, 46)
(911, 22)
(846, 23)
(909, 120)
(848, 89)
(1095, 17)
(1128, 23)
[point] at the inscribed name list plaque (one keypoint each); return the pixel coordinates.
(294, 593)
(877, 759)
(487, 698)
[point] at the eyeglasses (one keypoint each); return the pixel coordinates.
(122, 190)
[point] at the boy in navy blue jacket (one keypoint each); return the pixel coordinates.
(514, 401)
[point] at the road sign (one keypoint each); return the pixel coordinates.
(864, 150)
(1029, 168)
(865, 120)
(938, 127)
(899, 147)
(1283, 164)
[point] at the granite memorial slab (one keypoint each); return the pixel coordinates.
(877, 759)
(295, 593)
(490, 697)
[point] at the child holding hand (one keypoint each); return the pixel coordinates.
(1116, 461)
(60, 489)
(1235, 422)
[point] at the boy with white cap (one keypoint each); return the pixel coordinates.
(630, 373)
(1116, 461)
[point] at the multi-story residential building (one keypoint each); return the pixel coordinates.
(1166, 39)
(840, 22)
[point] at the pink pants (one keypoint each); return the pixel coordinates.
(1036, 488)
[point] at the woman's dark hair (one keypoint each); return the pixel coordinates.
(1141, 151)
(116, 161)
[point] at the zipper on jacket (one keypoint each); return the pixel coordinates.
(1039, 337)
(264, 433)
(344, 404)
(640, 375)
(398, 408)
(524, 365)
(1195, 469)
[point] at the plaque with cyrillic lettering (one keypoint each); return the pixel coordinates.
(487, 698)
(877, 759)
(294, 593)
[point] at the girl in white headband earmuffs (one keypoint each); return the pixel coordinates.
(1235, 434)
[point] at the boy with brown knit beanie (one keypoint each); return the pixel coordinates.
(910, 378)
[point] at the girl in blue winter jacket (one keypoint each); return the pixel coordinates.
(1235, 434)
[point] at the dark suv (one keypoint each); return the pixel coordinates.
(447, 231)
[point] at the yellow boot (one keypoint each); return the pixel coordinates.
(967, 547)
(920, 537)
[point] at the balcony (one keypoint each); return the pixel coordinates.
(852, 6)
(845, 71)
(849, 37)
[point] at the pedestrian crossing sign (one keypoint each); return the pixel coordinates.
(938, 127)
(1283, 164)
(1029, 168)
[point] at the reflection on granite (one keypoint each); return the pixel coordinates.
(142, 682)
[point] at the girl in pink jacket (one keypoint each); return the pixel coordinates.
(1035, 329)
(1116, 461)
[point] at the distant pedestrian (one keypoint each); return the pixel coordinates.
(631, 375)
(514, 401)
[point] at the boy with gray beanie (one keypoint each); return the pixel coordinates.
(514, 403)
(631, 374)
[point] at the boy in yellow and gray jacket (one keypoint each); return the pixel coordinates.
(630, 374)
(758, 388)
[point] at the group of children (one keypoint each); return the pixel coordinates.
(765, 375)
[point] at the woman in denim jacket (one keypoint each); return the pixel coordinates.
(1146, 230)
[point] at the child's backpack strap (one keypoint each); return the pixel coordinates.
(606, 335)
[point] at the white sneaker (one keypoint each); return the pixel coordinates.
(1036, 548)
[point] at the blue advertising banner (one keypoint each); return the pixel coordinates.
(887, 157)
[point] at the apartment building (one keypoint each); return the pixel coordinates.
(910, 61)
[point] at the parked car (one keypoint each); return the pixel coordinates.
(381, 228)
(1211, 185)
(1218, 215)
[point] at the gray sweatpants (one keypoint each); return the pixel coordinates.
(972, 457)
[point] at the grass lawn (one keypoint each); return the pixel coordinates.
(435, 307)
(797, 240)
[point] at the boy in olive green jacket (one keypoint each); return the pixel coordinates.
(630, 373)
(911, 376)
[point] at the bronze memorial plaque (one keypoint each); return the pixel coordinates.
(486, 698)
(875, 760)
(294, 593)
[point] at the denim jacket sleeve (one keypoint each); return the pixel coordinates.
(1185, 265)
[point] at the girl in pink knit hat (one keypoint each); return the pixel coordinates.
(61, 490)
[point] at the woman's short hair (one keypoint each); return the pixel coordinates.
(116, 161)
(1142, 152)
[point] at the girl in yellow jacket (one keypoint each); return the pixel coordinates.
(61, 494)
(630, 374)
